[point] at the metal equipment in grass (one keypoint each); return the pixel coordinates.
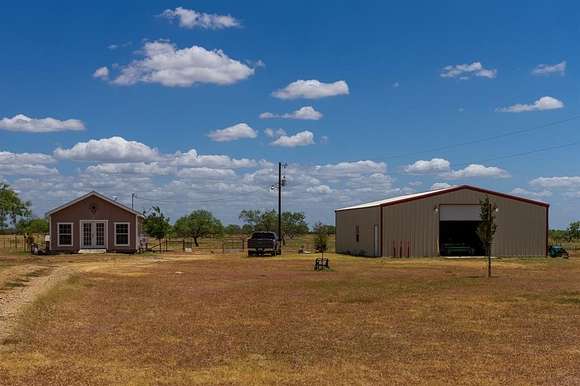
(321, 263)
(557, 251)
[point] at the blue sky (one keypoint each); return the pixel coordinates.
(385, 84)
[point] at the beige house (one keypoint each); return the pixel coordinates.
(442, 222)
(93, 223)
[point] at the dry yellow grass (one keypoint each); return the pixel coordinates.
(275, 321)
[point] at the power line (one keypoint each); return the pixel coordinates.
(486, 139)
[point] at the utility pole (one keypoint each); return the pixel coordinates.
(281, 183)
(280, 202)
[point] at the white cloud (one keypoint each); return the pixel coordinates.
(302, 138)
(26, 170)
(205, 173)
(188, 18)
(153, 168)
(556, 182)
(193, 159)
(101, 73)
(274, 133)
(345, 169)
(169, 66)
(396, 85)
(475, 170)
(530, 194)
(465, 71)
(24, 124)
(320, 189)
(312, 89)
(440, 185)
(544, 103)
(7, 157)
(304, 113)
(435, 165)
(114, 149)
(232, 133)
(549, 69)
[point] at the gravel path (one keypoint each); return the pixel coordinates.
(32, 281)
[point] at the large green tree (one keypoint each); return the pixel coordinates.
(573, 231)
(32, 226)
(199, 223)
(156, 224)
(233, 229)
(11, 206)
(293, 223)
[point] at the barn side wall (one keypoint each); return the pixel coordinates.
(521, 226)
(346, 223)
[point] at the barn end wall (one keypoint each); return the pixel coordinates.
(346, 223)
(522, 226)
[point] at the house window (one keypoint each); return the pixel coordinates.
(122, 234)
(357, 233)
(64, 234)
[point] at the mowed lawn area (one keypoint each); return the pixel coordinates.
(234, 320)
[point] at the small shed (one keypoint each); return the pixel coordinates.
(94, 223)
(442, 222)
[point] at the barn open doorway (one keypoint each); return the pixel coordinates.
(458, 231)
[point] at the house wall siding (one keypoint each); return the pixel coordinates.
(82, 211)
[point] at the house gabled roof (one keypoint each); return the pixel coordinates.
(99, 195)
(417, 196)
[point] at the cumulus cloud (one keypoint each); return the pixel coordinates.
(345, 169)
(7, 157)
(526, 193)
(572, 182)
(475, 170)
(550, 69)
(302, 138)
(205, 172)
(153, 168)
(193, 159)
(274, 133)
(26, 164)
(466, 71)
(114, 149)
(435, 165)
(312, 89)
(26, 170)
(544, 103)
(233, 133)
(188, 18)
(24, 124)
(320, 189)
(440, 185)
(101, 73)
(165, 64)
(304, 113)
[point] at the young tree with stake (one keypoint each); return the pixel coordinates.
(487, 228)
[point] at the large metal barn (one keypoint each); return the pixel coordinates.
(442, 222)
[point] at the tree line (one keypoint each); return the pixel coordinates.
(202, 223)
(571, 233)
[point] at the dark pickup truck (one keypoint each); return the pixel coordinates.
(262, 243)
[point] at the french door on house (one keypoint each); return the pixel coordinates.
(93, 234)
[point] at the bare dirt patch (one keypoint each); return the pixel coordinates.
(264, 321)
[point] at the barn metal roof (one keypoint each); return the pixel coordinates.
(416, 196)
